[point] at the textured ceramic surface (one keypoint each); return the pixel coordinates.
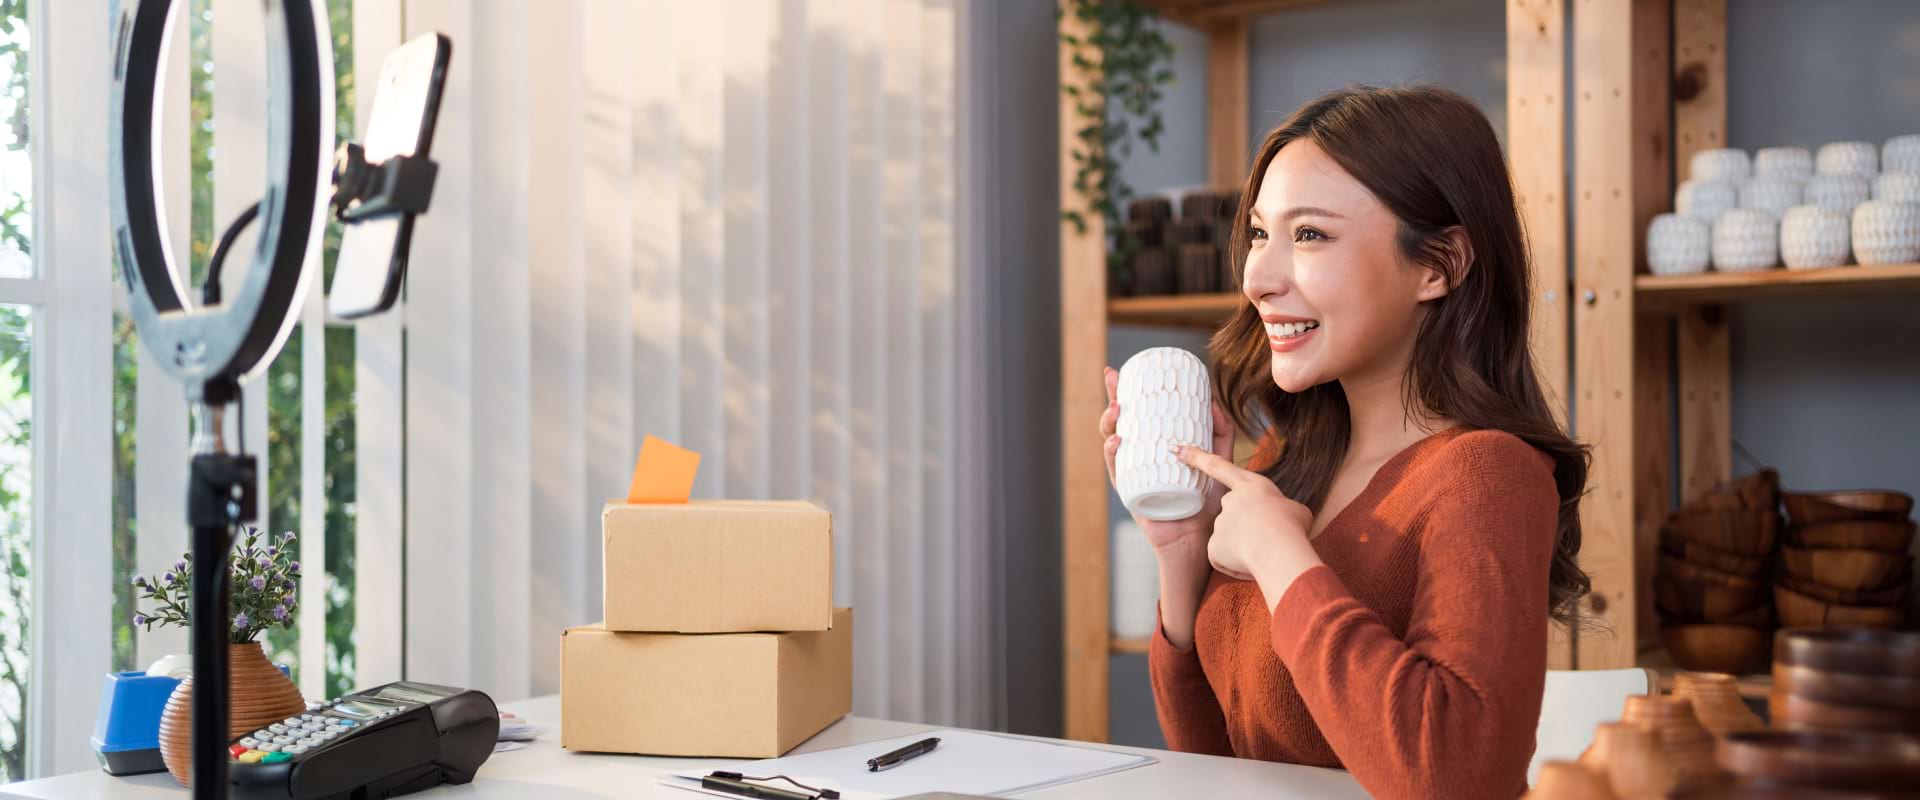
(1136, 582)
(1746, 240)
(1707, 200)
(1901, 154)
(260, 695)
(1772, 195)
(1886, 233)
(1678, 245)
(1795, 163)
(1164, 400)
(1720, 164)
(1900, 187)
(1812, 237)
(1847, 158)
(1838, 192)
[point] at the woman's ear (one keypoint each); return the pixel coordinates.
(1452, 253)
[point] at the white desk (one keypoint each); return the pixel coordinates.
(543, 770)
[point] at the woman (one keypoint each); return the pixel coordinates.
(1377, 595)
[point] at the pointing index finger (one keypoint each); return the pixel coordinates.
(1220, 469)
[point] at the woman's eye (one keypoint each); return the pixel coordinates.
(1257, 233)
(1305, 234)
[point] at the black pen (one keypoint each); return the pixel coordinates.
(893, 759)
(745, 789)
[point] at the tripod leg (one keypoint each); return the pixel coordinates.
(210, 680)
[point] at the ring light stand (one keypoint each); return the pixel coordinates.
(211, 348)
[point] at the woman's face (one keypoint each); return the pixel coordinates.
(1326, 276)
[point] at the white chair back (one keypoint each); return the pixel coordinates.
(1576, 702)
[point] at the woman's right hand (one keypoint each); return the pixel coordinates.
(1185, 535)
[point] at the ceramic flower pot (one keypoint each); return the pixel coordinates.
(1720, 164)
(1164, 400)
(1838, 192)
(1706, 200)
(260, 695)
(1899, 187)
(1678, 245)
(1901, 154)
(1847, 158)
(1812, 237)
(1794, 163)
(1746, 240)
(1886, 232)
(1772, 195)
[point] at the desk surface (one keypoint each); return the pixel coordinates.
(546, 771)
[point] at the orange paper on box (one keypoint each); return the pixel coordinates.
(664, 473)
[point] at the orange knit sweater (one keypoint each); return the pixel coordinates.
(1415, 658)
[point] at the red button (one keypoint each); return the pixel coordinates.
(237, 749)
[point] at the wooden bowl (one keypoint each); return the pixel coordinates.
(1880, 597)
(1797, 610)
(1794, 712)
(1893, 536)
(1760, 616)
(1735, 649)
(1856, 652)
(1843, 688)
(1865, 761)
(1704, 602)
(1813, 508)
(1749, 532)
(1758, 490)
(1846, 568)
(1719, 560)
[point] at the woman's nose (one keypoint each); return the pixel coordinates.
(1265, 273)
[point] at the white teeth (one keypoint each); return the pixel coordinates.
(1287, 330)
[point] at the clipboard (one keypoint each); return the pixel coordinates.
(966, 762)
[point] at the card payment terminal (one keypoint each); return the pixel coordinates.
(392, 740)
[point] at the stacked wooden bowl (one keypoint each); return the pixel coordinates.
(1710, 584)
(1819, 764)
(1847, 680)
(1846, 561)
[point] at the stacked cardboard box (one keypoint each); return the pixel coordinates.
(720, 636)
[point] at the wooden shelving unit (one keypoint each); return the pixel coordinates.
(1202, 311)
(1674, 292)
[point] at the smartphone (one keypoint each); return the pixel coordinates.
(372, 262)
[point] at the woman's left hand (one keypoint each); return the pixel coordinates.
(1261, 534)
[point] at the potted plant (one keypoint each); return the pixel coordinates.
(265, 582)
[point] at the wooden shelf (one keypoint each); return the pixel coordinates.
(1677, 291)
(1199, 13)
(1125, 645)
(1197, 311)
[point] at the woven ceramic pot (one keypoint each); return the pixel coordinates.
(1706, 200)
(1678, 245)
(1899, 187)
(1720, 164)
(1744, 240)
(1847, 158)
(1772, 195)
(1812, 237)
(259, 695)
(1795, 163)
(1164, 400)
(1901, 154)
(1136, 582)
(1886, 232)
(1838, 192)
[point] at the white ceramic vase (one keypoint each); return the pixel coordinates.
(1898, 187)
(1838, 192)
(1812, 237)
(1795, 163)
(1706, 200)
(1901, 154)
(1720, 164)
(1136, 583)
(1164, 400)
(1678, 245)
(1886, 232)
(1772, 195)
(1847, 158)
(1745, 240)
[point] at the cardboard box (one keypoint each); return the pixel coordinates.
(718, 566)
(735, 695)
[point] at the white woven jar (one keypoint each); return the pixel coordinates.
(1899, 187)
(1838, 192)
(1164, 401)
(1772, 195)
(1886, 232)
(1136, 583)
(1812, 237)
(1901, 154)
(1720, 164)
(1744, 240)
(1706, 200)
(1847, 158)
(1783, 162)
(1678, 245)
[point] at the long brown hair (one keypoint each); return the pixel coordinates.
(1433, 160)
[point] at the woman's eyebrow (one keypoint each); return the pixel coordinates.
(1309, 211)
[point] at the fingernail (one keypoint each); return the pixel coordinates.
(1174, 449)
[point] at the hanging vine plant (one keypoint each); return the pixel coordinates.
(1123, 63)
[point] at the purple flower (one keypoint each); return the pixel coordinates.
(139, 619)
(264, 562)
(258, 583)
(140, 580)
(287, 538)
(169, 579)
(273, 551)
(294, 567)
(241, 621)
(280, 613)
(179, 566)
(292, 586)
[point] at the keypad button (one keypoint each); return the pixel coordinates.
(306, 740)
(247, 742)
(316, 706)
(290, 721)
(347, 723)
(277, 728)
(237, 749)
(283, 740)
(275, 758)
(252, 756)
(296, 749)
(263, 734)
(327, 736)
(269, 747)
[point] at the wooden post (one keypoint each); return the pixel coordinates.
(1083, 352)
(1652, 488)
(1621, 173)
(1700, 122)
(1227, 118)
(1699, 80)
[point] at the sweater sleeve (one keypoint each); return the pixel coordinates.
(1451, 709)
(1190, 715)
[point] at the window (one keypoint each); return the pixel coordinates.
(16, 388)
